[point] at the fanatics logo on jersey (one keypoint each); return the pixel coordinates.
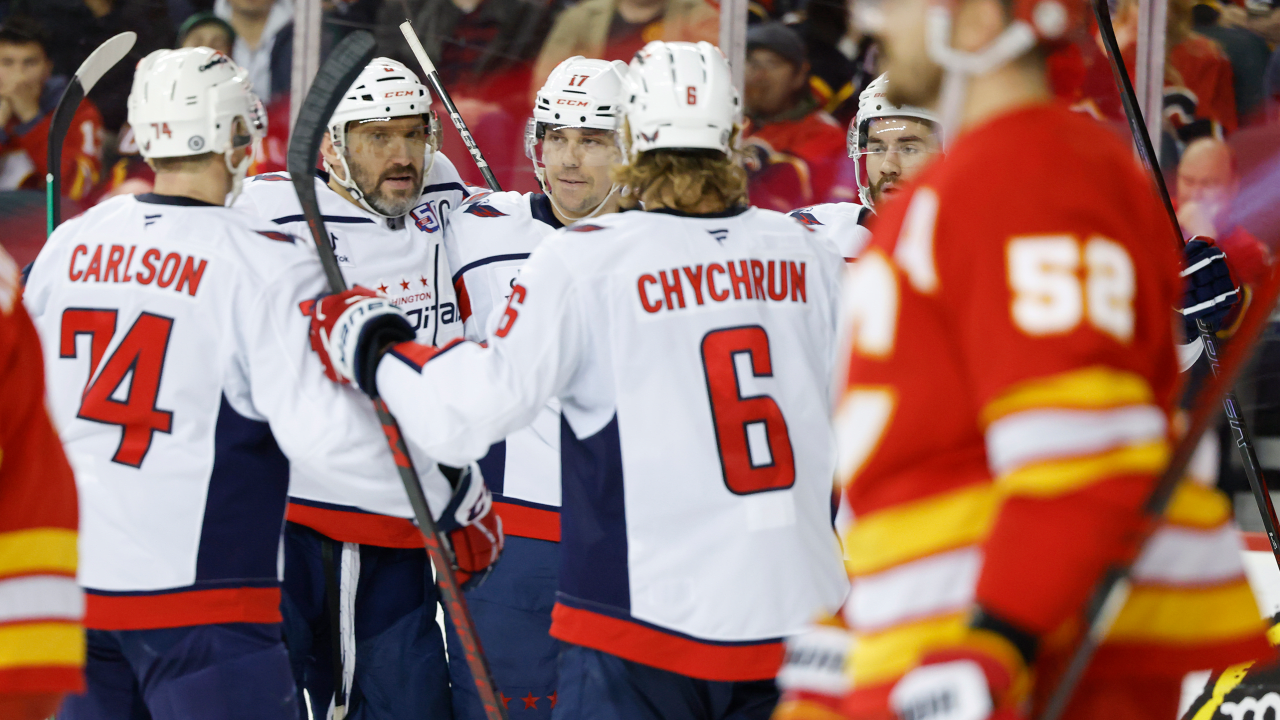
(482, 210)
(272, 177)
(276, 235)
(743, 279)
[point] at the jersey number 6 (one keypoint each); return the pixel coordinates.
(141, 354)
(751, 434)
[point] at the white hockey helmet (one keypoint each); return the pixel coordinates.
(681, 97)
(185, 102)
(581, 93)
(384, 89)
(873, 104)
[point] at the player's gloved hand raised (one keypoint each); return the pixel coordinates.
(1209, 291)
(983, 677)
(351, 330)
(473, 529)
(813, 680)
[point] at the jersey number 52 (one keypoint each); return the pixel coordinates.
(751, 434)
(140, 354)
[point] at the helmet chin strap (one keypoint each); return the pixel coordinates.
(348, 183)
(238, 173)
(589, 215)
(959, 65)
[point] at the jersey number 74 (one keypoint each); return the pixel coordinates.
(140, 354)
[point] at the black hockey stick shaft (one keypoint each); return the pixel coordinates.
(433, 79)
(333, 79)
(1231, 405)
(102, 59)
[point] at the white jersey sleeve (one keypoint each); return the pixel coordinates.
(183, 388)
(842, 223)
(692, 359)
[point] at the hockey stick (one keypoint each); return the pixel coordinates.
(1137, 126)
(339, 71)
(87, 75)
(433, 79)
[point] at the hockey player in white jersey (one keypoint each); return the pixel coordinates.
(691, 347)
(385, 193)
(889, 145)
(184, 394)
(572, 142)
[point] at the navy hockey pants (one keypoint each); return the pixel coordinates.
(200, 672)
(598, 686)
(400, 669)
(512, 612)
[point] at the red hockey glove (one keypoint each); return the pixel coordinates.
(351, 330)
(473, 529)
(813, 679)
(983, 677)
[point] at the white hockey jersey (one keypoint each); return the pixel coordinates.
(184, 390)
(693, 359)
(843, 223)
(488, 239)
(407, 263)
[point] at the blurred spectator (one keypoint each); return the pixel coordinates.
(1207, 184)
(783, 114)
(1263, 21)
(28, 96)
(1246, 50)
(263, 43)
(842, 60)
(617, 29)
(78, 27)
(207, 30)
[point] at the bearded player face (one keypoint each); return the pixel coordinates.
(917, 80)
(386, 158)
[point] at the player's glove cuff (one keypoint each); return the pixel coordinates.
(814, 678)
(984, 675)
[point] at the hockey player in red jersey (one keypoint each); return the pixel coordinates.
(572, 142)
(689, 346)
(40, 604)
(890, 145)
(1008, 406)
(182, 387)
(385, 194)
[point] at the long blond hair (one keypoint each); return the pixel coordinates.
(682, 179)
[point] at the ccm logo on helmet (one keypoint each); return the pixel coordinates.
(571, 103)
(399, 93)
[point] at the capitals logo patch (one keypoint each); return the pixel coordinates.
(482, 210)
(425, 218)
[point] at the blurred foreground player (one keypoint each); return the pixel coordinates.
(41, 641)
(1009, 394)
(181, 385)
(890, 145)
(572, 142)
(350, 544)
(689, 346)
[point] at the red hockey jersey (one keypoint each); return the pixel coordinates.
(41, 641)
(1010, 385)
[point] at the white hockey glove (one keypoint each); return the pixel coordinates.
(350, 330)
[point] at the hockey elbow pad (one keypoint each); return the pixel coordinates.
(472, 529)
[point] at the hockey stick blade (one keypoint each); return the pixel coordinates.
(106, 56)
(433, 79)
(339, 71)
(1137, 126)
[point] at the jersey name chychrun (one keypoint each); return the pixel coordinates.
(760, 280)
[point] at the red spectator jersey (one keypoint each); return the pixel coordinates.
(25, 153)
(819, 141)
(41, 641)
(1010, 384)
